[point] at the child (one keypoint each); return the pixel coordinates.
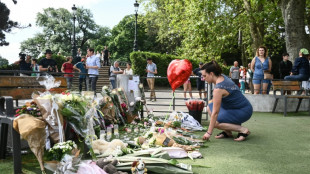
(35, 67)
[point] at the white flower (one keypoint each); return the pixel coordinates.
(113, 92)
(119, 89)
(104, 88)
(132, 103)
(138, 98)
(140, 85)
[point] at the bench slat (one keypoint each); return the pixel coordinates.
(25, 93)
(286, 83)
(17, 81)
(288, 88)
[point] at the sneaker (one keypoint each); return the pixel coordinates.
(185, 98)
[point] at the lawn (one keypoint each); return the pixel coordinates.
(277, 145)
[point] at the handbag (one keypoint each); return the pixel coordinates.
(268, 76)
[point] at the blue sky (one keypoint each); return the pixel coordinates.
(106, 13)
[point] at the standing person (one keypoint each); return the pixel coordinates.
(249, 77)
(187, 87)
(242, 79)
(260, 64)
(285, 66)
(151, 70)
(300, 70)
(106, 56)
(82, 78)
(201, 84)
(229, 107)
(48, 64)
(93, 65)
(234, 73)
(67, 67)
(35, 67)
(128, 70)
(306, 84)
(24, 63)
(114, 70)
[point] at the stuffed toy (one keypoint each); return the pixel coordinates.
(138, 167)
(109, 166)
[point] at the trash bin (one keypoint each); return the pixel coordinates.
(195, 108)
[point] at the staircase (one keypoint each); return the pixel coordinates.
(103, 79)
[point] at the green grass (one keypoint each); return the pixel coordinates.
(277, 145)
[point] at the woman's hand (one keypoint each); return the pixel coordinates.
(206, 136)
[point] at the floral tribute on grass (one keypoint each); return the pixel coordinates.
(72, 121)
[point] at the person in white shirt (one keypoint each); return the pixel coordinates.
(128, 70)
(114, 70)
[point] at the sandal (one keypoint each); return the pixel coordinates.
(244, 135)
(225, 135)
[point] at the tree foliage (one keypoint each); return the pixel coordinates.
(6, 24)
(3, 61)
(57, 32)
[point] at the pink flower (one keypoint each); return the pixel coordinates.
(16, 115)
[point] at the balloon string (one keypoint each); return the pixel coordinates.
(173, 96)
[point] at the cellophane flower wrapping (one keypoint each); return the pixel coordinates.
(195, 105)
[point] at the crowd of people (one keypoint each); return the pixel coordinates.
(254, 77)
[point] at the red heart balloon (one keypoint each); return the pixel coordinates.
(178, 72)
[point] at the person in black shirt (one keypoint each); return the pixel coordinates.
(24, 63)
(48, 64)
(200, 81)
(285, 66)
(106, 56)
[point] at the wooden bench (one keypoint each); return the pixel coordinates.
(17, 88)
(282, 86)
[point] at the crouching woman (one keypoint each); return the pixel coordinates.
(229, 108)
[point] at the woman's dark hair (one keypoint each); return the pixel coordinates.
(129, 63)
(212, 66)
(69, 57)
(35, 60)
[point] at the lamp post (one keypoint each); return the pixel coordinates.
(135, 45)
(74, 44)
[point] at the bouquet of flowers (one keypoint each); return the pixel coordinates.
(58, 151)
(29, 108)
(73, 108)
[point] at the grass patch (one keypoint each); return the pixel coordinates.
(277, 145)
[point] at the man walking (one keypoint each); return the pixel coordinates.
(93, 65)
(201, 84)
(106, 56)
(151, 70)
(234, 73)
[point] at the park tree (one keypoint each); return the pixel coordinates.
(6, 25)
(122, 38)
(3, 61)
(208, 29)
(294, 13)
(57, 32)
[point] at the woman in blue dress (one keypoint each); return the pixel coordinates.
(260, 64)
(229, 108)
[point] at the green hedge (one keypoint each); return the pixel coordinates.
(138, 61)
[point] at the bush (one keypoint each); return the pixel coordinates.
(138, 61)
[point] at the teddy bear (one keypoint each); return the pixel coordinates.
(109, 166)
(138, 167)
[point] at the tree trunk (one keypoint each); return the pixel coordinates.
(257, 27)
(293, 13)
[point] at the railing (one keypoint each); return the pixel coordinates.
(208, 90)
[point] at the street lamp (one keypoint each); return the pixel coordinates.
(74, 44)
(135, 46)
